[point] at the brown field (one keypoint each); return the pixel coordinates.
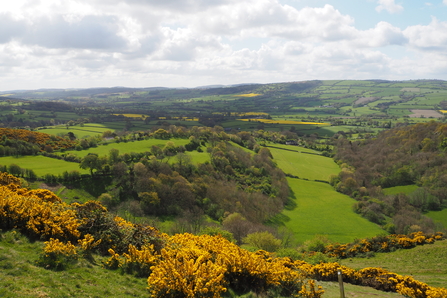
(411, 90)
(365, 100)
(425, 114)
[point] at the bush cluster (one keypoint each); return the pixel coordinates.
(384, 243)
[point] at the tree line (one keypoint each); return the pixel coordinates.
(407, 155)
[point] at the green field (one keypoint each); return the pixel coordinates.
(42, 165)
(426, 263)
(320, 210)
(129, 147)
(407, 189)
(291, 148)
(304, 165)
(439, 217)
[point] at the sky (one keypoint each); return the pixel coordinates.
(190, 43)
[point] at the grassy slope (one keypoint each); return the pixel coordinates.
(319, 208)
(427, 263)
(308, 166)
(42, 165)
(19, 277)
(129, 147)
(438, 216)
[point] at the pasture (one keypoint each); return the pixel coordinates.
(425, 263)
(439, 217)
(320, 210)
(129, 147)
(406, 189)
(304, 165)
(42, 165)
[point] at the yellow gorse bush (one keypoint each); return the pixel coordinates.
(34, 214)
(377, 278)
(55, 246)
(381, 244)
(88, 243)
(204, 266)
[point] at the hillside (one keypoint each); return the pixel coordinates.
(183, 265)
(408, 155)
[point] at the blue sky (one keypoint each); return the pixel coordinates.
(188, 43)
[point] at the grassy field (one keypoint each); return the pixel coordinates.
(303, 165)
(320, 210)
(400, 189)
(439, 217)
(291, 148)
(20, 277)
(42, 165)
(129, 147)
(425, 263)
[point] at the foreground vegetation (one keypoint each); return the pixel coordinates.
(183, 265)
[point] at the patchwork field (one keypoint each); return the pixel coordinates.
(425, 113)
(42, 165)
(129, 147)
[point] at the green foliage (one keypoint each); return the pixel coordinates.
(317, 244)
(216, 230)
(263, 241)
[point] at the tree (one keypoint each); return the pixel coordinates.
(92, 162)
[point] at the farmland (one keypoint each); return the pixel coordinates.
(42, 165)
(320, 210)
(190, 160)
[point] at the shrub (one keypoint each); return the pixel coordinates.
(263, 240)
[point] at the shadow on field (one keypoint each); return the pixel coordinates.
(280, 219)
(291, 201)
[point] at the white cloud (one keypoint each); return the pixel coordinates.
(383, 34)
(80, 43)
(389, 6)
(432, 37)
(445, 2)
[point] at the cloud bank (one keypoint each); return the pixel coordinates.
(68, 43)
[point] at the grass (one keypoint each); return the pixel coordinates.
(129, 147)
(407, 189)
(42, 165)
(332, 289)
(292, 148)
(439, 217)
(20, 277)
(320, 210)
(308, 166)
(425, 263)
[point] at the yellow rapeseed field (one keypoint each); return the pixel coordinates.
(443, 111)
(132, 115)
(247, 95)
(271, 121)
